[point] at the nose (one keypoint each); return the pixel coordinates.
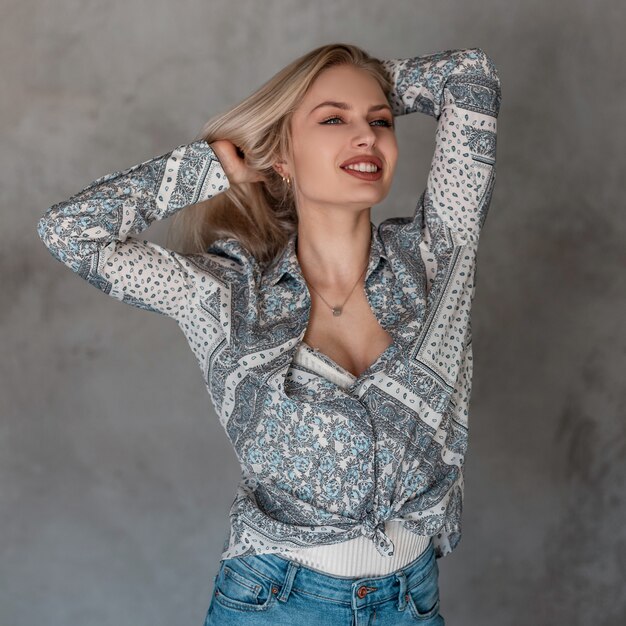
(364, 134)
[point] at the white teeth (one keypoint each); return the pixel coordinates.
(362, 167)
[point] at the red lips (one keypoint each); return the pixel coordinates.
(364, 158)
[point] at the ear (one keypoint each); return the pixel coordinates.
(280, 167)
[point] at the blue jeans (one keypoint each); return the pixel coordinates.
(271, 589)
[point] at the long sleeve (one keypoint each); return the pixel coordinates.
(461, 90)
(91, 232)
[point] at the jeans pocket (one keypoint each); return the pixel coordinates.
(423, 598)
(241, 588)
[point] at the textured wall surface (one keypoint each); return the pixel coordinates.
(115, 476)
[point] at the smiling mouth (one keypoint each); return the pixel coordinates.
(362, 167)
(374, 173)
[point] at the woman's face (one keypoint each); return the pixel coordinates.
(325, 137)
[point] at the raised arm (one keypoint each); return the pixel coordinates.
(461, 90)
(91, 232)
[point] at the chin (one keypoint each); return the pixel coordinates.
(370, 198)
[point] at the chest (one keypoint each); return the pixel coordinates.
(352, 340)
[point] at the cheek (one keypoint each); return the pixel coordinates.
(314, 160)
(390, 146)
(392, 161)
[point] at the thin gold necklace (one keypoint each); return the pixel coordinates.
(337, 310)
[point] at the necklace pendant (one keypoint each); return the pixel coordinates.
(336, 311)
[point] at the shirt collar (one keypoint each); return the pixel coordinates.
(287, 260)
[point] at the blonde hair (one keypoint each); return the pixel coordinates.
(262, 215)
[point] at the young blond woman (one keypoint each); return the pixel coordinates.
(337, 354)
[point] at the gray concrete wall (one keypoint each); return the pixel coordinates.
(115, 476)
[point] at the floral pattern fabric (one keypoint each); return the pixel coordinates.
(321, 463)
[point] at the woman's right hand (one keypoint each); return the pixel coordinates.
(235, 166)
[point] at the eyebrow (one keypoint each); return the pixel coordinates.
(347, 107)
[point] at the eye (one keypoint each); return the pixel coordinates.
(330, 119)
(385, 122)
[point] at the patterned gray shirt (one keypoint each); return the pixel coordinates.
(320, 463)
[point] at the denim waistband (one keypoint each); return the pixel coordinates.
(286, 575)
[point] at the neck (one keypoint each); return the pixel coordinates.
(334, 252)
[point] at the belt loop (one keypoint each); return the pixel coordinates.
(292, 570)
(401, 576)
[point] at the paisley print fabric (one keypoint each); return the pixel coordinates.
(321, 463)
